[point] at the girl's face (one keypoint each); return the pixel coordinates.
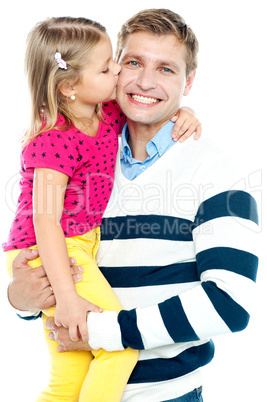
(99, 78)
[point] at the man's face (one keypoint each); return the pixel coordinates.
(153, 79)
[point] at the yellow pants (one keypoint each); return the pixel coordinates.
(84, 376)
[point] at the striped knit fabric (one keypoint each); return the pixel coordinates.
(179, 248)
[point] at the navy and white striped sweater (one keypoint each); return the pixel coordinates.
(178, 245)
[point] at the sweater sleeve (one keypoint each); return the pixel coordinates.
(224, 239)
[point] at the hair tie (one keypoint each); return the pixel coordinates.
(61, 63)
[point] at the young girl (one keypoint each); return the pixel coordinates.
(67, 170)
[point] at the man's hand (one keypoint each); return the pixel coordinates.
(61, 335)
(30, 289)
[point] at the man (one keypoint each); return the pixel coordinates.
(177, 236)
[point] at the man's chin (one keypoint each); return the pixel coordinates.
(141, 114)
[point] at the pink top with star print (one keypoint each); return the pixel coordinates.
(88, 161)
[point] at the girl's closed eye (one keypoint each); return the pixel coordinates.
(105, 71)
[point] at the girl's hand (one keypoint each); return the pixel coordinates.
(71, 312)
(186, 123)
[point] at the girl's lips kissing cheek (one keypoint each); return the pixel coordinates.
(144, 99)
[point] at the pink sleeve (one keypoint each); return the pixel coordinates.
(55, 150)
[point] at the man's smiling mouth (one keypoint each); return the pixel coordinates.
(144, 99)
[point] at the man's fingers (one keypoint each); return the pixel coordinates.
(72, 261)
(76, 269)
(39, 273)
(73, 331)
(20, 263)
(76, 272)
(83, 330)
(51, 336)
(49, 301)
(23, 257)
(61, 336)
(50, 324)
(61, 348)
(95, 309)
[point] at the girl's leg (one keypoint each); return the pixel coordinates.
(109, 371)
(68, 369)
(108, 375)
(67, 373)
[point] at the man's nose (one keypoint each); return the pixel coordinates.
(146, 79)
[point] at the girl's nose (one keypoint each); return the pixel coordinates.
(116, 68)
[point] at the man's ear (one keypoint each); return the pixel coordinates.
(189, 82)
(66, 89)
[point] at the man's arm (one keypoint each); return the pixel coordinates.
(219, 304)
(224, 247)
(30, 289)
(226, 262)
(225, 243)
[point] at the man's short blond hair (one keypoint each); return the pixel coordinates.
(161, 22)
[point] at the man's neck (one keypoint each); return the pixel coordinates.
(139, 136)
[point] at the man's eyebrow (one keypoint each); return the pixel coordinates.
(169, 63)
(128, 56)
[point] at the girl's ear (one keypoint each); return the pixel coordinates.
(66, 89)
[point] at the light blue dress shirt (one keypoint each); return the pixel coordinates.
(160, 143)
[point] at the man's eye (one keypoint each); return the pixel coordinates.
(133, 63)
(166, 70)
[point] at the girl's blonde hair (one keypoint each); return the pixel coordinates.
(73, 38)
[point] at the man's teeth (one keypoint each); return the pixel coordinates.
(144, 99)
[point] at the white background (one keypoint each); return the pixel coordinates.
(229, 96)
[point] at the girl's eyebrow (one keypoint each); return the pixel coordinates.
(106, 62)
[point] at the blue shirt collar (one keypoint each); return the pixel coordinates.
(157, 145)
